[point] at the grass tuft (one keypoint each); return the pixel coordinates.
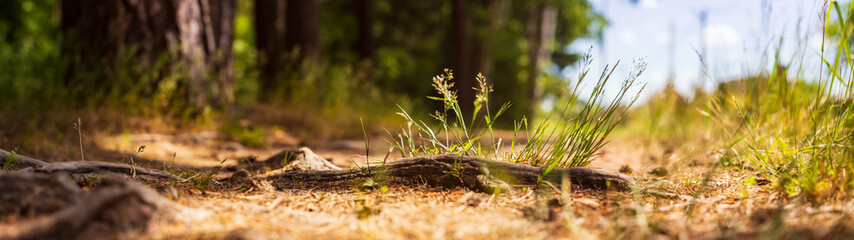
(566, 138)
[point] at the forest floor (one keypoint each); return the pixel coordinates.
(680, 195)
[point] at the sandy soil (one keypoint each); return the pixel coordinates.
(692, 200)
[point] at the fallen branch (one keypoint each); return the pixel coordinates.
(450, 170)
(19, 161)
(81, 168)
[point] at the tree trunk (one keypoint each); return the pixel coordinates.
(498, 17)
(541, 31)
(464, 75)
(98, 33)
(365, 19)
(303, 28)
(206, 31)
(270, 17)
(283, 28)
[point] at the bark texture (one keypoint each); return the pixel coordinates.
(206, 30)
(450, 170)
(270, 19)
(542, 23)
(113, 209)
(463, 65)
(80, 169)
(303, 28)
(287, 34)
(365, 42)
(196, 33)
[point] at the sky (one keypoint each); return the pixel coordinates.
(738, 35)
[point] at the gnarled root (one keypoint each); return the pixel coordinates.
(450, 170)
(286, 160)
(113, 209)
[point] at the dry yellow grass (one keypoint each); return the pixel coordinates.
(722, 207)
(722, 211)
(725, 207)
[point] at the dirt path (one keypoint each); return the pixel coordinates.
(685, 202)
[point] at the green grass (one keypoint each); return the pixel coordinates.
(796, 132)
(572, 136)
(453, 134)
(201, 180)
(567, 138)
(250, 136)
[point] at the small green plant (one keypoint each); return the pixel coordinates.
(202, 182)
(131, 161)
(171, 167)
(367, 184)
(377, 179)
(201, 179)
(452, 135)
(11, 159)
(459, 137)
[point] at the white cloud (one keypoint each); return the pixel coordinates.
(814, 41)
(656, 77)
(627, 35)
(721, 35)
(648, 3)
(662, 38)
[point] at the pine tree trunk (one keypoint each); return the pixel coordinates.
(541, 33)
(206, 31)
(303, 28)
(97, 33)
(270, 17)
(464, 76)
(497, 19)
(284, 28)
(364, 44)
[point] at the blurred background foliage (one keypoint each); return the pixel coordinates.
(315, 67)
(355, 57)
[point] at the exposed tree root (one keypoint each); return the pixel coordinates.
(28, 195)
(51, 206)
(78, 168)
(113, 209)
(450, 170)
(287, 160)
(19, 161)
(303, 166)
